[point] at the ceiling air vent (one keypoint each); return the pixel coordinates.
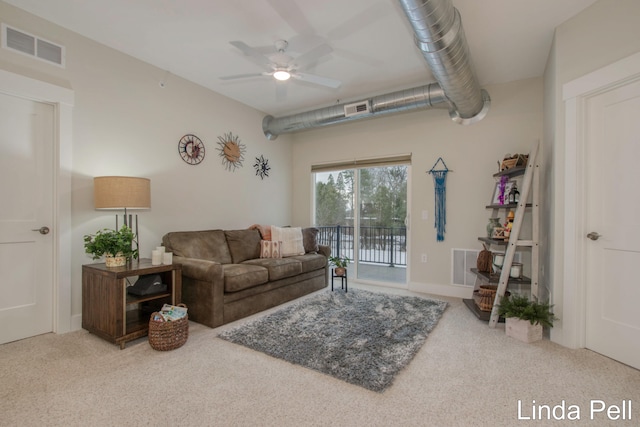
(31, 45)
(356, 109)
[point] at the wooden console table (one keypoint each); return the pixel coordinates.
(109, 312)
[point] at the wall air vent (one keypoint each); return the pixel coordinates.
(463, 260)
(356, 109)
(31, 45)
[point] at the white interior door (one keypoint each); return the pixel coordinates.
(612, 153)
(26, 253)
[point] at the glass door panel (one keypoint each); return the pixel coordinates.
(361, 215)
(382, 235)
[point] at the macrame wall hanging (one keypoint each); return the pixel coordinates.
(440, 191)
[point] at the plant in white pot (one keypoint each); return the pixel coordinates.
(116, 246)
(524, 319)
(340, 263)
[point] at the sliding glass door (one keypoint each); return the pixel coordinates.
(361, 213)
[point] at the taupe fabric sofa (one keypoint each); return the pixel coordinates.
(224, 279)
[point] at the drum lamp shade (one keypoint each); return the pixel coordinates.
(118, 192)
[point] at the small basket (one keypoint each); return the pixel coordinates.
(165, 335)
(485, 296)
(516, 160)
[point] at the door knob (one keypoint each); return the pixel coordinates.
(42, 230)
(594, 236)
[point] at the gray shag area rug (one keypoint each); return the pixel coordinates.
(361, 337)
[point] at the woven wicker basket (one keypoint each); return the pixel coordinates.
(485, 296)
(164, 335)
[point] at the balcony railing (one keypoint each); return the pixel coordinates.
(377, 245)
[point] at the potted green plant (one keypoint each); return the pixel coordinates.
(116, 246)
(340, 263)
(524, 319)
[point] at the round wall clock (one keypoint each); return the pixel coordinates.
(231, 151)
(191, 149)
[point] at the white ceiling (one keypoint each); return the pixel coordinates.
(373, 48)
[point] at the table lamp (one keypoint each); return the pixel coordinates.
(122, 192)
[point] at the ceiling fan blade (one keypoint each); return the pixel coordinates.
(318, 80)
(315, 53)
(245, 48)
(292, 15)
(252, 54)
(358, 21)
(243, 76)
(356, 57)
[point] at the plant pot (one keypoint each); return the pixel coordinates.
(339, 271)
(523, 330)
(115, 261)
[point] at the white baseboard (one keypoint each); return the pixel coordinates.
(76, 322)
(454, 291)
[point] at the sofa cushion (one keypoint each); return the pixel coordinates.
(310, 239)
(209, 245)
(243, 276)
(311, 262)
(278, 268)
(243, 244)
(291, 238)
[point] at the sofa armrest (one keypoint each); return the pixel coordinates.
(324, 250)
(199, 269)
(203, 290)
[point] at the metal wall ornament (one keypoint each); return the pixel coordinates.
(231, 151)
(191, 149)
(262, 167)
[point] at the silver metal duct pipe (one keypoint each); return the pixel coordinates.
(403, 100)
(439, 35)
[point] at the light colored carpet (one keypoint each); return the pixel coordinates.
(361, 337)
(467, 375)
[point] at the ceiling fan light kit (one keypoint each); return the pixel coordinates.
(281, 75)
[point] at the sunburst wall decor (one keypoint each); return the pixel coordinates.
(262, 167)
(231, 151)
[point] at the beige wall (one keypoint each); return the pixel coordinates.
(513, 124)
(602, 34)
(124, 123)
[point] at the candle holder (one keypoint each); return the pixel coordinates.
(498, 260)
(516, 270)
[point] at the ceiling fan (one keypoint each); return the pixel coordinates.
(283, 66)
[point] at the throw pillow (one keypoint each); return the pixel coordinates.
(291, 238)
(310, 239)
(270, 249)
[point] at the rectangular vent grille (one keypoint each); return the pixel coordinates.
(31, 45)
(462, 261)
(356, 109)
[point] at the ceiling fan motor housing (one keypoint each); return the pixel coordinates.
(281, 45)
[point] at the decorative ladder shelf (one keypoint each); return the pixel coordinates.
(530, 181)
